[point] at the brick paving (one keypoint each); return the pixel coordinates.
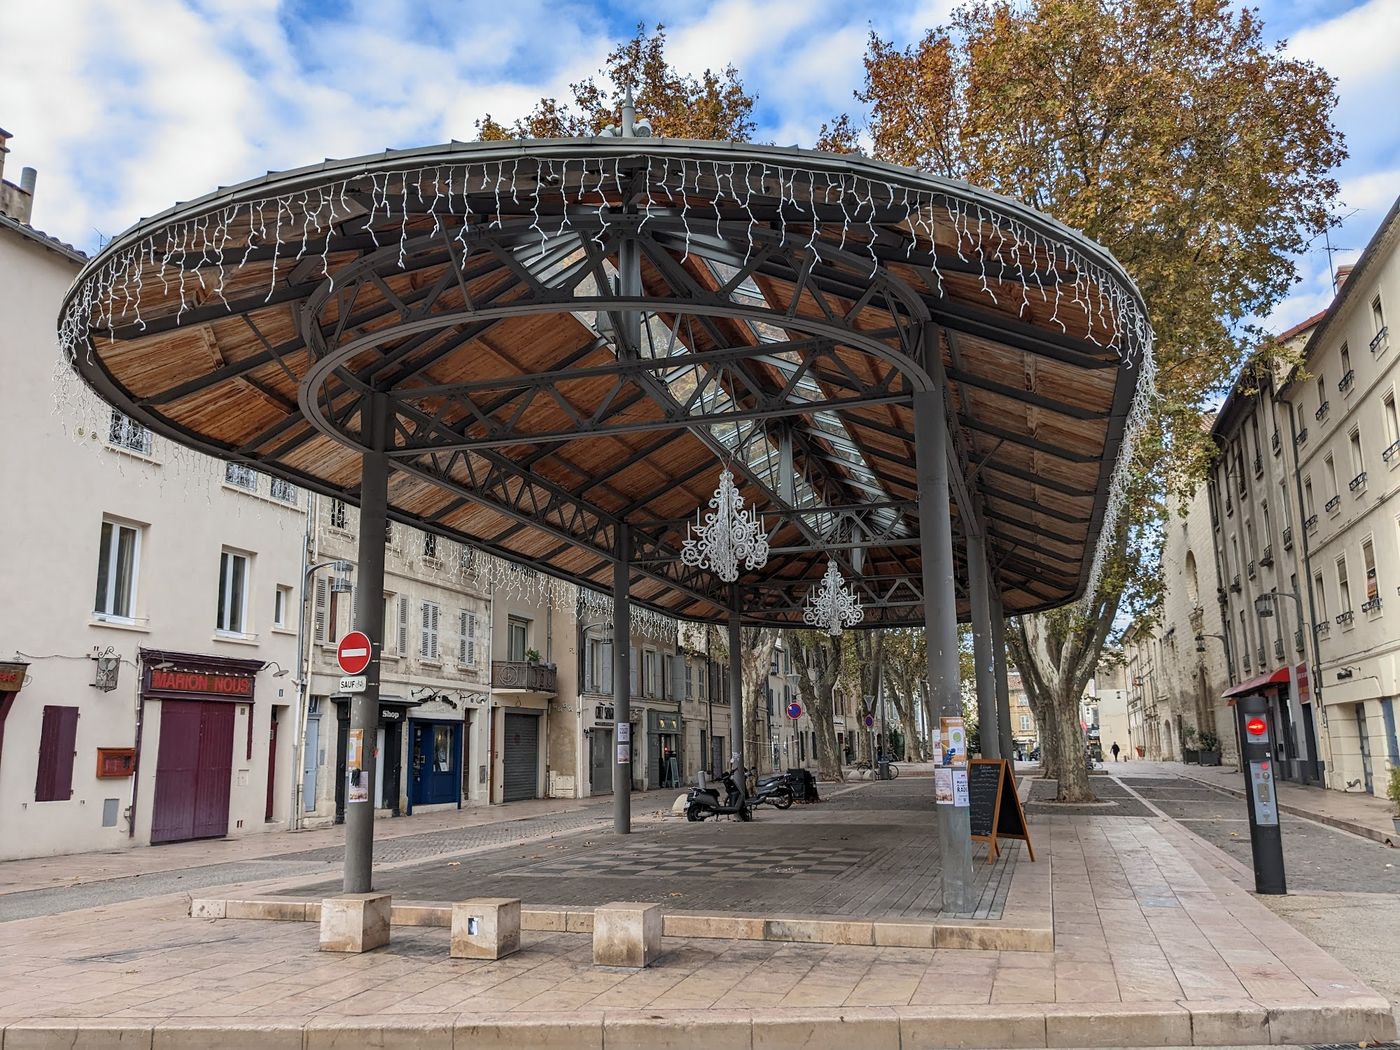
(870, 852)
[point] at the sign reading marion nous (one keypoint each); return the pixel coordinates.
(172, 680)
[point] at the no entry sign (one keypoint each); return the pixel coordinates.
(794, 710)
(353, 652)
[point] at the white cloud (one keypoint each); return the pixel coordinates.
(1360, 45)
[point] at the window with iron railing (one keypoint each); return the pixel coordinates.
(1267, 558)
(1333, 503)
(1235, 584)
(1324, 629)
(1278, 648)
(1358, 482)
(1258, 466)
(1251, 570)
(1345, 618)
(1277, 443)
(282, 491)
(1260, 653)
(241, 476)
(1347, 381)
(1372, 606)
(1311, 523)
(1381, 341)
(1391, 450)
(1321, 412)
(126, 433)
(1298, 639)
(1288, 538)
(1302, 436)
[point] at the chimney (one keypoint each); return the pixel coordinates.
(4, 148)
(1343, 272)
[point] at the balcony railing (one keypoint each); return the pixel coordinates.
(1302, 437)
(1390, 452)
(1334, 503)
(1381, 341)
(1260, 653)
(1258, 466)
(1235, 584)
(1311, 523)
(1288, 538)
(1278, 648)
(1277, 443)
(523, 675)
(1251, 570)
(1298, 639)
(1323, 629)
(1321, 412)
(1358, 482)
(1344, 618)
(1374, 605)
(1267, 558)
(1345, 383)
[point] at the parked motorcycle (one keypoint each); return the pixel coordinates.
(774, 790)
(704, 802)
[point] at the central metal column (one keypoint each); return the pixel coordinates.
(940, 613)
(622, 686)
(978, 590)
(369, 618)
(1008, 743)
(736, 694)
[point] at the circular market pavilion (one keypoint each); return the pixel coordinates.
(551, 349)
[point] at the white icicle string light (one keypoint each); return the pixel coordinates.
(727, 535)
(830, 606)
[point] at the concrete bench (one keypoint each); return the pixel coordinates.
(626, 935)
(485, 928)
(355, 922)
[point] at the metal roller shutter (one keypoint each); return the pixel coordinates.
(522, 758)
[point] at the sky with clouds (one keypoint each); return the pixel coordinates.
(126, 106)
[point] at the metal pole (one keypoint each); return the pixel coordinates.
(299, 743)
(736, 697)
(1260, 785)
(1008, 744)
(978, 587)
(369, 618)
(884, 752)
(622, 686)
(940, 612)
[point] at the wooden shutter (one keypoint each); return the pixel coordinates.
(58, 737)
(430, 630)
(632, 670)
(605, 669)
(462, 637)
(320, 614)
(403, 625)
(471, 639)
(424, 621)
(679, 678)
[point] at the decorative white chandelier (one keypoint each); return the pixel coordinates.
(727, 534)
(830, 606)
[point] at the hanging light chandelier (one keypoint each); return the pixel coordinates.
(830, 606)
(726, 535)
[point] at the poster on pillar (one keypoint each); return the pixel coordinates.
(624, 754)
(954, 735)
(357, 786)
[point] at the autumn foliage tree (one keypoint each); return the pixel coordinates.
(713, 105)
(1170, 132)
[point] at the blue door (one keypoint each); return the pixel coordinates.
(436, 757)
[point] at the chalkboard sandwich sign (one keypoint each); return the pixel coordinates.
(995, 809)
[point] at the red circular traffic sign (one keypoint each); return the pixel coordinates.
(353, 652)
(1256, 726)
(794, 710)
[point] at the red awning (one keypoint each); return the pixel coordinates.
(1264, 681)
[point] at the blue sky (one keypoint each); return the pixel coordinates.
(125, 106)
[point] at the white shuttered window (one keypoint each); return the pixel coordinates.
(403, 625)
(428, 633)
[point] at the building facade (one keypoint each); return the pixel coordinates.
(149, 639)
(1341, 402)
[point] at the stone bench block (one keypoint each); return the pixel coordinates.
(627, 935)
(355, 922)
(485, 928)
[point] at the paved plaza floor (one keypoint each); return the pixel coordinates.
(1156, 944)
(868, 851)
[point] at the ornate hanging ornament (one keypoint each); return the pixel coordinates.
(726, 535)
(830, 606)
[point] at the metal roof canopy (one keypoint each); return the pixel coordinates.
(783, 304)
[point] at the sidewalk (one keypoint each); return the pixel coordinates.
(1360, 814)
(76, 869)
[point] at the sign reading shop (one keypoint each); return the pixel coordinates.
(209, 678)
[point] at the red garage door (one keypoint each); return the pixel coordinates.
(193, 771)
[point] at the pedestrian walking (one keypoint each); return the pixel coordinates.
(1115, 749)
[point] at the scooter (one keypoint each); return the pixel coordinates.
(775, 790)
(701, 803)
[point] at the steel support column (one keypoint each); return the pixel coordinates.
(622, 685)
(940, 616)
(369, 618)
(978, 589)
(1008, 743)
(736, 694)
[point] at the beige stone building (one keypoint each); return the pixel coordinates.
(148, 638)
(1342, 403)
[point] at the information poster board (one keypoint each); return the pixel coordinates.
(996, 811)
(357, 790)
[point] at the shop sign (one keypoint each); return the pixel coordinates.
(12, 677)
(164, 680)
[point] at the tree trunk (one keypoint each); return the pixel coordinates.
(755, 660)
(818, 662)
